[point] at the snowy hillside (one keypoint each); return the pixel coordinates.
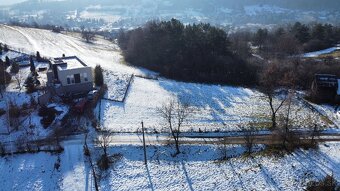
(214, 107)
(51, 44)
(198, 167)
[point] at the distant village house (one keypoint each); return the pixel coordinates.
(326, 88)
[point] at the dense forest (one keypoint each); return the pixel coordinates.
(207, 54)
(198, 52)
(297, 37)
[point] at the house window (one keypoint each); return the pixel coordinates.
(68, 80)
(77, 78)
(85, 77)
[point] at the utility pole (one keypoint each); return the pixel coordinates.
(145, 161)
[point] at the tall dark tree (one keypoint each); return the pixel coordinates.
(318, 32)
(301, 32)
(38, 56)
(260, 37)
(98, 76)
(5, 77)
(0, 48)
(7, 61)
(30, 86)
(32, 66)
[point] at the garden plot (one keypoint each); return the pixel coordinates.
(29, 122)
(11, 55)
(332, 113)
(213, 107)
(117, 85)
(36, 171)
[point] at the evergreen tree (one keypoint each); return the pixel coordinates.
(5, 48)
(32, 66)
(7, 61)
(301, 32)
(318, 32)
(0, 48)
(5, 77)
(261, 37)
(98, 76)
(30, 87)
(38, 56)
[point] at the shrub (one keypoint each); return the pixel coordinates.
(2, 112)
(25, 106)
(326, 184)
(33, 102)
(15, 68)
(48, 115)
(2, 149)
(30, 86)
(103, 162)
(14, 111)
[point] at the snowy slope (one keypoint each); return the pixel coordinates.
(214, 107)
(51, 44)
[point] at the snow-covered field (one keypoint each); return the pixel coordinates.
(198, 168)
(321, 52)
(214, 108)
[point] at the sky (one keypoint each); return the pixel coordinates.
(10, 2)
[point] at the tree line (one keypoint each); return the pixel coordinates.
(299, 37)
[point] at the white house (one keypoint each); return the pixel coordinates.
(71, 75)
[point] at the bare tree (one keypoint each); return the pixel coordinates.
(249, 133)
(19, 79)
(270, 80)
(87, 35)
(289, 80)
(315, 134)
(223, 148)
(174, 113)
(104, 140)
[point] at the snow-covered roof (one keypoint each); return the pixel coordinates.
(67, 63)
